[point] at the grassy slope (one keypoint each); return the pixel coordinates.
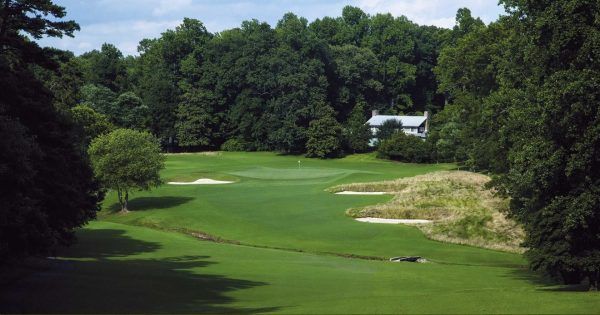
(123, 268)
(118, 268)
(277, 205)
(463, 209)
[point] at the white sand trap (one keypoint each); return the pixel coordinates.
(365, 193)
(394, 221)
(202, 181)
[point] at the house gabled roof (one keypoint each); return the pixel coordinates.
(407, 121)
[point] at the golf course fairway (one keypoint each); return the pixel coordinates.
(275, 241)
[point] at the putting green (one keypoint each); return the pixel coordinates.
(293, 173)
(294, 235)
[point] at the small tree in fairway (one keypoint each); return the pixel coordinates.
(126, 159)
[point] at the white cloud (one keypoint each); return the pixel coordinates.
(168, 6)
(432, 12)
(123, 34)
(447, 22)
(84, 45)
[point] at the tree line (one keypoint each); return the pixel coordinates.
(299, 87)
(517, 98)
(525, 106)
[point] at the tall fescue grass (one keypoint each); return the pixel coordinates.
(462, 208)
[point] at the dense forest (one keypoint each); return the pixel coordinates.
(261, 88)
(518, 98)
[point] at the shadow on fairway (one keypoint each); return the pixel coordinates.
(152, 203)
(545, 283)
(106, 243)
(101, 275)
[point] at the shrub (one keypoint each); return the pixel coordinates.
(388, 129)
(405, 148)
(234, 144)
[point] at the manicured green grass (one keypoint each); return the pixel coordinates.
(277, 204)
(121, 265)
(119, 268)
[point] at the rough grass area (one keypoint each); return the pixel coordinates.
(464, 211)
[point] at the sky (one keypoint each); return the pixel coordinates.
(125, 22)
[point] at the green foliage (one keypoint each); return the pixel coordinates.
(389, 128)
(405, 148)
(197, 125)
(469, 128)
(65, 81)
(391, 41)
(560, 157)
(525, 106)
(160, 71)
(93, 123)
(356, 132)
(356, 72)
(553, 134)
(465, 23)
(37, 18)
(324, 135)
(126, 110)
(21, 221)
(106, 67)
(233, 145)
(48, 188)
(126, 159)
(132, 113)
(262, 84)
(101, 99)
(446, 135)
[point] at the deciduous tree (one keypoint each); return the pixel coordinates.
(357, 132)
(324, 134)
(126, 159)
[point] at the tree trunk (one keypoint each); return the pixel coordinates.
(594, 278)
(125, 202)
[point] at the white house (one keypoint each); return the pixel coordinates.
(411, 125)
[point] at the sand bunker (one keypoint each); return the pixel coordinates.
(202, 181)
(365, 193)
(394, 221)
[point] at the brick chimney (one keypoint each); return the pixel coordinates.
(426, 114)
(374, 113)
